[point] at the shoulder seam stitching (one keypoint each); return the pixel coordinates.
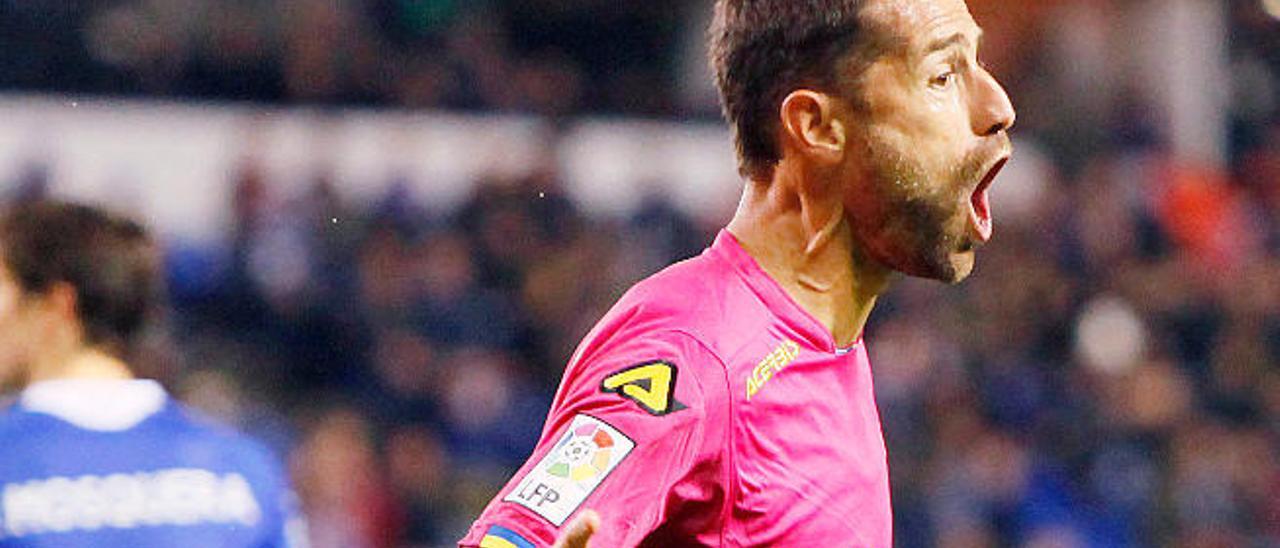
(730, 439)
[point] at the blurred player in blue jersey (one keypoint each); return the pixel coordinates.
(89, 454)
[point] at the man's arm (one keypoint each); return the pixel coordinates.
(628, 424)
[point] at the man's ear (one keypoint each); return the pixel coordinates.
(61, 299)
(810, 126)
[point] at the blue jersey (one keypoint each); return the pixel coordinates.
(119, 463)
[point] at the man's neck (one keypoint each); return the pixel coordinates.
(806, 245)
(85, 363)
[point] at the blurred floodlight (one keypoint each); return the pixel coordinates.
(1110, 337)
(1272, 7)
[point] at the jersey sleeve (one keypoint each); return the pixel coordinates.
(627, 437)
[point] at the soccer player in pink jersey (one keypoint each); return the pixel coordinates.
(727, 400)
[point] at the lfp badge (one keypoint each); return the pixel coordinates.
(587, 452)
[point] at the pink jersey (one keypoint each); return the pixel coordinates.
(706, 409)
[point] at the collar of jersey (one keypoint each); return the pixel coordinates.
(107, 405)
(774, 296)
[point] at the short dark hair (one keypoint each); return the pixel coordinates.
(110, 261)
(761, 50)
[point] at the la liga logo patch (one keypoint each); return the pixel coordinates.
(585, 454)
(582, 455)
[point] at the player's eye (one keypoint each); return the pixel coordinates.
(943, 80)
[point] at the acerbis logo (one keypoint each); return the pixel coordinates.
(771, 365)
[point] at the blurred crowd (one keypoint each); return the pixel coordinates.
(552, 57)
(1109, 377)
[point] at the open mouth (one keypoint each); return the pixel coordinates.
(980, 203)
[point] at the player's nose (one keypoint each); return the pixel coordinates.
(992, 110)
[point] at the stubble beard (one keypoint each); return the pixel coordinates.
(913, 229)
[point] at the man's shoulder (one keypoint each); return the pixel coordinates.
(702, 297)
(16, 422)
(200, 441)
(678, 280)
(173, 438)
(174, 422)
(181, 421)
(692, 314)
